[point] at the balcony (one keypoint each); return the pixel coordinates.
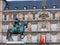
(36, 20)
(57, 18)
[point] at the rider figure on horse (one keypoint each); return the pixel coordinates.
(18, 28)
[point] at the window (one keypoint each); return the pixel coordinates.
(25, 7)
(34, 7)
(5, 17)
(53, 27)
(7, 7)
(34, 38)
(15, 38)
(53, 38)
(5, 28)
(23, 16)
(16, 7)
(15, 16)
(34, 27)
(54, 6)
(33, 16)
(26, 17)
(53, 16)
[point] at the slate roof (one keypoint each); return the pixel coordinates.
(29, 4)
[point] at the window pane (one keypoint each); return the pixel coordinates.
(14, 16)
(23, 16)
(53, 15)
(53, 27)
(53, 38)
(33, 16)
(5, 17)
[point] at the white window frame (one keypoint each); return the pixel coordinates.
(13, 15)
(54, 27)
(6, 18)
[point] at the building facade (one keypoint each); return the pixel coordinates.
(39, 26)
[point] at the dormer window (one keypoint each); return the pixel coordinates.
(6, 8)
(25, 7)
(54, 6)
(16, 7)
(34, 7)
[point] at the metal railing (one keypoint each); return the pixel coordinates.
(57, 18)
(37, 31)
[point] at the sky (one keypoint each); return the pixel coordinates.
(23, 0)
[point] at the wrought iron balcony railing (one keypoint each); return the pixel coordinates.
(36, 20)
(37, 31)
(57, 18)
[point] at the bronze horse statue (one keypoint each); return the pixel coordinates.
(17, 28)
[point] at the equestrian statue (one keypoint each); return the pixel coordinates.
(17, 28)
